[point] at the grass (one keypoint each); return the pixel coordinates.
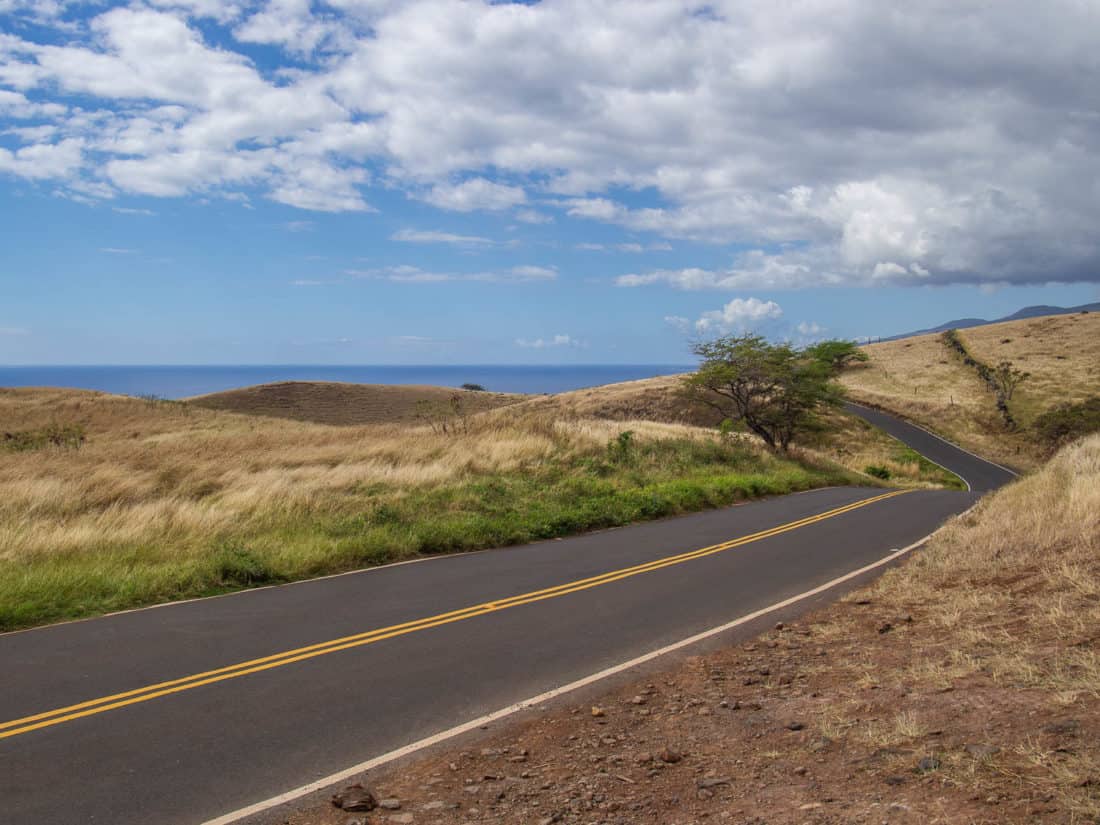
(921, 379)
(166, 500)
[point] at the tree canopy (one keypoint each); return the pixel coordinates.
(774, 390)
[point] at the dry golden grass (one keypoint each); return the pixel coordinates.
(160, 471)
(1062, 353)
(647, 399)
(921, 379)
(327, 402)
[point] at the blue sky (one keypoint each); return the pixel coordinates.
(431, 182)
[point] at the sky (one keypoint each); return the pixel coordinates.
(566, 181)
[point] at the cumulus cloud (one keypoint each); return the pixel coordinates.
(738, 315)
(928, 143)
(477, 193)
(549, 343)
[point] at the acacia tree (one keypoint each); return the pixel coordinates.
(775, 390)
(836, 354)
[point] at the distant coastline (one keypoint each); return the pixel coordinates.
(186, 381)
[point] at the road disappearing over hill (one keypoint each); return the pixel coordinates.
(181, 713)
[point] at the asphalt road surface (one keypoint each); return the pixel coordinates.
(181, 713)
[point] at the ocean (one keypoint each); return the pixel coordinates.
(185, 381)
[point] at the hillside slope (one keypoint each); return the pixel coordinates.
(922, 379)
(327, 402)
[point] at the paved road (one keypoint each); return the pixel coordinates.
(180, 713)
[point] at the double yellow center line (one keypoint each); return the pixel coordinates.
(144, 694)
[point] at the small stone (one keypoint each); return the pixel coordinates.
(638, 700)
(810, 806)
(821, 744)
(389, 804)
(434, 805)
(597, 711)
(885, 627)
(400, 819)
(355, 798)
(895, 780)
(795, 726)
(643, 758)
(670, 756)
(714, 781)
(801, 771)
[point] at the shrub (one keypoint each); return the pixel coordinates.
(474, 387)
(62, 436)
(621, 448)
(1068, 422)
(877, 470)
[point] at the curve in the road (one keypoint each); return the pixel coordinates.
(584, 607)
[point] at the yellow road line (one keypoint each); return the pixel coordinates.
(90, 707)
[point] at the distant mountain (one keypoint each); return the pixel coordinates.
(1026, 312)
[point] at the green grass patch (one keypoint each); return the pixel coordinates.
(628, 481)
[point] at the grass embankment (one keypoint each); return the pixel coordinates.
(922, 379)
(961, 687)
(164, 500)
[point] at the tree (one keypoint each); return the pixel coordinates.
(836, 355)
(775, 390)
(473, 387)
(1007, 378)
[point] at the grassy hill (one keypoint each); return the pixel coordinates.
(327, 402)
(109, 502)
(924, 380)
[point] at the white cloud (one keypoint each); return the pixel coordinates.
(533, 216)
(43, 161)
(298, 226)
(126, 210)
(738, 315)
(428, 236)
(475, 194)
(810, 329)
(549, 343)
(117, 250)
(412, 274)
(752, 270)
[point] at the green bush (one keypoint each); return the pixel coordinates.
(877, 470)
(1068, 422)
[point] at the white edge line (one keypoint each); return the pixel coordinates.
(442, 736)
(912, 423)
